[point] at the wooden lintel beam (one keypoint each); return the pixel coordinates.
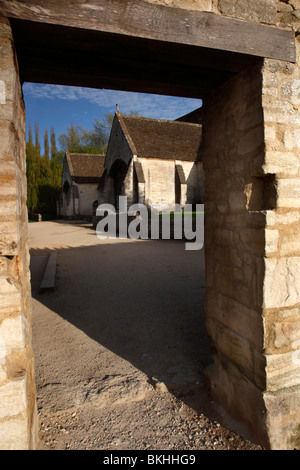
(140, 19)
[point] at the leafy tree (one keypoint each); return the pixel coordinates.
(30, 138)
(54, 151)
(37, 137)
(32, 172)
(72, 139)
(46, 144)
(44, 172)
(78, 139)
(43, 175)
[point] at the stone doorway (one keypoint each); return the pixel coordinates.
(256, 343)
(118, 174)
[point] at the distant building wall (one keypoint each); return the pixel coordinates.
(88, 193)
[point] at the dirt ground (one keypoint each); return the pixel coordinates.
(120, 345)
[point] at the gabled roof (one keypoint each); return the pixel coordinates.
(162, 139)
(85, 167)
(195, 116)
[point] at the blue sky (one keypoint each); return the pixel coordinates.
(59, 106)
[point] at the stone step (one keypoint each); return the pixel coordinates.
(48, 282)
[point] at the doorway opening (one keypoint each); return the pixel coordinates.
(123, 329)
(182, 84)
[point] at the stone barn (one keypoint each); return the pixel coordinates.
(153, 162)
(79, 188)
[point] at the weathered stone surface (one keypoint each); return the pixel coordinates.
(282, 282)
(12, 333)
(10, 297)
(13, 434)
(283, 417)
(282, 163)
(13, 398)
(235, 137)
(295, 4)
(290, 242)
(263, 11)
(286, 333)
(229, 387)
(17, 389)
(283, 371)
(2, 92)
(251, 141)
(235, 316)
(288, 193)
(289, 14)
(292, 139)
(274, 218)
(271, 242)
(202, 5)
(253, 240)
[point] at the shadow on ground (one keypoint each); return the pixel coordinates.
(141, 300)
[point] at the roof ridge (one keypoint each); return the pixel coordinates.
(88, 154)
(162, 120)
(126, 132)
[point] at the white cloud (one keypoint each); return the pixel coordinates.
(155, 106)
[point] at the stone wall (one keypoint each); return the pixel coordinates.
(195, 179)
(251, 161)
(234, 247)
(160, 181)
(260, 11)
(88, 193)
(281, 294)
(17, 390)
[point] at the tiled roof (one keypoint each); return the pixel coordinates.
(158, 138)
(85, 165)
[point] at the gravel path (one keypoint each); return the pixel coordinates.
(120, 346)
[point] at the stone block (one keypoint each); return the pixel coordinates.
(12, 333)
(288, 193)
(295, 4)
(274, 218)
(13, 398)
(290, 242)
(253, 240)
(282, 282)
(271, 242)
(237, 201)
(282, 371)
(3, 373)
(286, 334)
(240, 397)
(247, 323)
(230, 256)
(260, 11)
(231, 345)
(202, 5)
(10, 298)
(283, 417)
(292, 139)
(225, 236)
(280, 112)
(251, 141)
(9, 237)
(2, 93)
(13, 434)
(285, 163)
(282, 331)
